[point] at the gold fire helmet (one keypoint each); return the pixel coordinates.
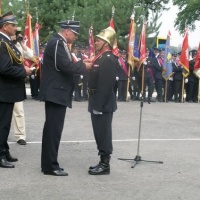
(108, 35)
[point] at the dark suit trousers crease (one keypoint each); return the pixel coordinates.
(53, 127)
(6, 110)
(102, 127)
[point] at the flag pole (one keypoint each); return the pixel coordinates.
(129, 66)
(182, 96)
(73, 16)
(143, 89)
(27, 6)
(165, 91)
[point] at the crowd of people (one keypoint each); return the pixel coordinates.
(65, 75)
(141, 83)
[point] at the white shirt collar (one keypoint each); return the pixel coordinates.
(5, 35)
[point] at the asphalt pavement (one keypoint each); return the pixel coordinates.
(170, 132)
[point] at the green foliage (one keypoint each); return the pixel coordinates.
(189, 13)
(96, 12)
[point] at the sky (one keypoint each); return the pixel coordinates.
(167, 19)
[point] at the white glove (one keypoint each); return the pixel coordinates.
(186, 80)
(117, 78)
(133, 78)
(171, 78)
(97, 113)
(144, 63)
(32, 76)
(81, 76)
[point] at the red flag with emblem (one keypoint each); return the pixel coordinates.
(131, 40)
(143, 45)
(184, 57)
(115, 47)
(28, 39)
(91, 43)
(197, 63)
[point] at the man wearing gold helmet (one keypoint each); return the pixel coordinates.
(102, 99)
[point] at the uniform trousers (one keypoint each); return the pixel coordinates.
(102, 128)
(6, 110)
(122, 90)
(19, 121)
(159, 87)
(53, 127)
(177, 90)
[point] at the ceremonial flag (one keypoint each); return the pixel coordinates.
(115, 50)
(142, 45)
(115, 47)
(91, 43)
(167, 72)
(136, 48)
(184, 57)
(36, 42)
(197, 64)
(28, 39)
(131, 40)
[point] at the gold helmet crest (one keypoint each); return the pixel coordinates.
(108, 35)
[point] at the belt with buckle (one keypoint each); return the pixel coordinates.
(92, 91)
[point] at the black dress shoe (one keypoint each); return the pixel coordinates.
(21, 142)
(60, 169)
(5, 164)
(9, 158)
(58, 172)
(100, 169)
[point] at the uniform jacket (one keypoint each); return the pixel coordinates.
(192, 77)
(121, 73)
(12, 74)
(177, 72)
(101, 82)
(57, 72)
(158, 67)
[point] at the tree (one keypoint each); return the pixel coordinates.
(96, 12)
(189, 13)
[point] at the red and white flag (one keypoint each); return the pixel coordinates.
(184, 57)
(197, 64)
(131, 40)
(142, 45)
(115, 46)
(91, 43)
(28, 39)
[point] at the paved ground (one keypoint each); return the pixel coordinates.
(170, 132)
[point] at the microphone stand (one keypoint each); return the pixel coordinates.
(137, 158)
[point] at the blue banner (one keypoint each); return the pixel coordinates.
(167, 66)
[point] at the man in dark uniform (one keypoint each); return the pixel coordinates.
(56, 90)
(192, 91)
(12, 85)
(177, 78)
(148, 78)
(157, 63)
(102, 99)
(122, 76)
